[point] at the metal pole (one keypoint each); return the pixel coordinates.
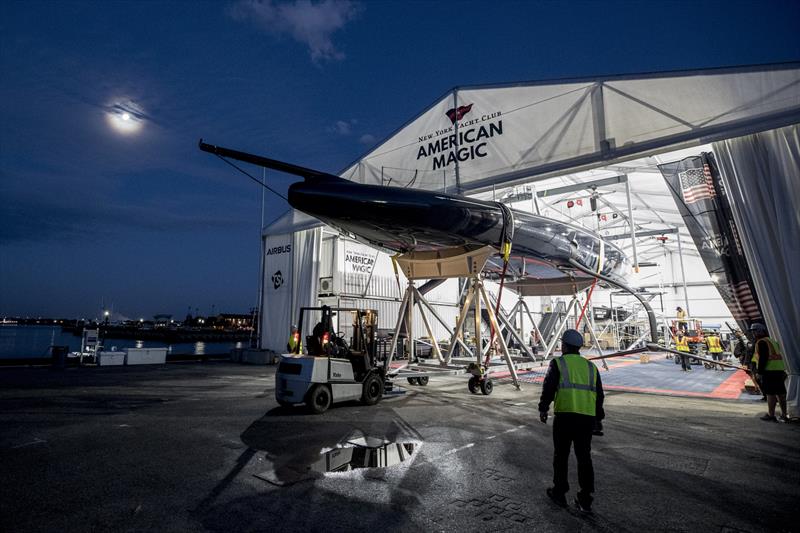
(683, 276)
(541, 341)
(500, 339)
(632, 225)
(455, 130)
(478, 337)
(262, 267)
(393, 346)
(427, 325)
(412, 348)
(535, 201)
(438, 317)
(462, 318)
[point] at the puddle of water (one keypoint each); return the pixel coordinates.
(355, 454)
(367, 455)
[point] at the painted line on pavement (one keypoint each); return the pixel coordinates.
(456, 450)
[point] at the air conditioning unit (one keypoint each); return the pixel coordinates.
(325, 286)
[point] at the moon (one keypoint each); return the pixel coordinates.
(125, 117)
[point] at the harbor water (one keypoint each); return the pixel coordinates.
(22, 342)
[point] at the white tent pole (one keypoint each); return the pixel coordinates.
(683, 274)
(261, 266)
(631, 224)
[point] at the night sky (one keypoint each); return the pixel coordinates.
(93, 212)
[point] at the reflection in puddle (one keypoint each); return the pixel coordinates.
(353, 456)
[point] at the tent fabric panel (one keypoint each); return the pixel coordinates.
(761, 173)
(556, 126)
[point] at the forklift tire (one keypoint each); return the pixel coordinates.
(373, 389)
(319, 399)
(413, 381)
(473, 384)
(422, 380)
(487, 387)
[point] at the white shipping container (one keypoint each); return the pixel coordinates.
(105, 358)
(387, 316)
(146, 356)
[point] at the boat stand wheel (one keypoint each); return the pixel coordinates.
(413, 381)
(373, 389)
(319, 399)
(422, 380)
(487, 387)
(473, 384)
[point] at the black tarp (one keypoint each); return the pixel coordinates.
(706, 211)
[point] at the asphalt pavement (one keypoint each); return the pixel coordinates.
(204, 447)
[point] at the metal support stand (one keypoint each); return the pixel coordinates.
(476, 294)
(560, 328)
(412, 297)
(511, 329)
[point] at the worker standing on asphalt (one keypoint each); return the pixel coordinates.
(294, 345)
(714, 348)
(771, 371)
(682, 345)
(575, 385)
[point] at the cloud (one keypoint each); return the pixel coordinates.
(310, 23)
(367, 139)
(343, 127)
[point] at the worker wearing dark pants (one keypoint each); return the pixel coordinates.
(574, 383)
(682, 345)
(771, 372)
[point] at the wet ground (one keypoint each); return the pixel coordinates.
(205, 447)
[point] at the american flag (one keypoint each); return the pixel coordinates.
(696, 184)
(740, 300)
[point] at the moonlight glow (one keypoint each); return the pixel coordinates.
(125, 117)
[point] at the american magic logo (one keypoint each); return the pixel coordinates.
(466, 139)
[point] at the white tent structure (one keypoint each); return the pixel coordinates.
(488, 140)
(506, 134)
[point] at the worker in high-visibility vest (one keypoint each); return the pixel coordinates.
(574, 383)
(682, 345)
(682, 323)
(715, 349)
(771, 371)
(294, 345)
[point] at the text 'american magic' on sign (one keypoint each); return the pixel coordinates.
(462, 146)
(359, 262)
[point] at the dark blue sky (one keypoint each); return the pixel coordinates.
(150, 224)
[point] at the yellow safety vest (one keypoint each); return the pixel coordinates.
(681, 316)
(682, 345)
(577, 388)
(775, 359)
(714, 344)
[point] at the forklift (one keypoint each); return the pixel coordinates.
(333, 369)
